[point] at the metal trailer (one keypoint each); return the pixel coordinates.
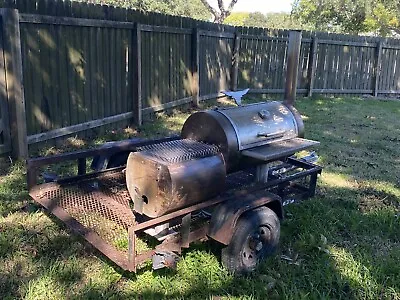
(77, 201)
(225, 178)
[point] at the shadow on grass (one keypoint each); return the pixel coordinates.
(332, 247)
(342, 244)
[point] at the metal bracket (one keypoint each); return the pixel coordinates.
(162, 259)
(185, 230)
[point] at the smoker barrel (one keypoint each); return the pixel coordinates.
(239, 128)
(164, 177)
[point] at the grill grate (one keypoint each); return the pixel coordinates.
(179, 150)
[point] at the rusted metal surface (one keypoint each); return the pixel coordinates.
(225, 216)
(100, 204)
(99, 218)
(173, 175)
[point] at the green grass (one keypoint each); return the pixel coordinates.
(342, 244)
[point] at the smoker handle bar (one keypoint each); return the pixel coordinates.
(278, 134)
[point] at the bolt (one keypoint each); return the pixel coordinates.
(259, 246)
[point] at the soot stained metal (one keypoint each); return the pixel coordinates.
(228, 165)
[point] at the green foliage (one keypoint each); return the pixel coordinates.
(283, 21)
(256, 19)
(385, 17)
(270, 20)
(349, 16)
(333, 15)
(193, 9)
(237, 19)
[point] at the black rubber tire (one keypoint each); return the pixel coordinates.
(256, 236)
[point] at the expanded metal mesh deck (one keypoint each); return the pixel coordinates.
(101, 205)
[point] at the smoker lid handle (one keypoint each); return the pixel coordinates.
(271, 135)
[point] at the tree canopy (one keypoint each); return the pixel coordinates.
(270, 20)
(380, 17)
(350, 16)
(193, 9)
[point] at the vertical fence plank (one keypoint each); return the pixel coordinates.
(235, 61)
(195, 66)
(163, 58)
(275, 65)
(312, 65)
(26, 41)
(137, 74)
(385, 70)
(112, 71)
(118, 69)
(390, 73)
(14, 81)
(4, 110)
(107, 69)
(171, 46)
(377, 70)
(63, 77)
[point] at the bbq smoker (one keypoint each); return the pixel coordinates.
(225, 178)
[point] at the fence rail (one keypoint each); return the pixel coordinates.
(77, 66)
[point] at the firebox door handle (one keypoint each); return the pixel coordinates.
(278, 134)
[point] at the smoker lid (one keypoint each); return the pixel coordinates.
(262, 123)
(276, 150)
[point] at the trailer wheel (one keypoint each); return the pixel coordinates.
(256, 236)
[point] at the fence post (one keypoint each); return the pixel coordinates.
(292, 70)
(235, 61)
(14, 82)
(195, 67)
(378, 67)
(137, 74)
(312, 65)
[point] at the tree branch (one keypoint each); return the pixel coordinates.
(220, 16)
(395, 29)
(213, 11)
(221, 6)
(230, 7)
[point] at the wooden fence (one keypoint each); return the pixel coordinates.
(67, 67)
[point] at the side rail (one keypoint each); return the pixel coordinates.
(82, 156)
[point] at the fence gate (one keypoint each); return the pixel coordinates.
(5, 138)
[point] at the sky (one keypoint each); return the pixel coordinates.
(263, 6)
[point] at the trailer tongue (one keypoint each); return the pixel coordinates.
(225, 178)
